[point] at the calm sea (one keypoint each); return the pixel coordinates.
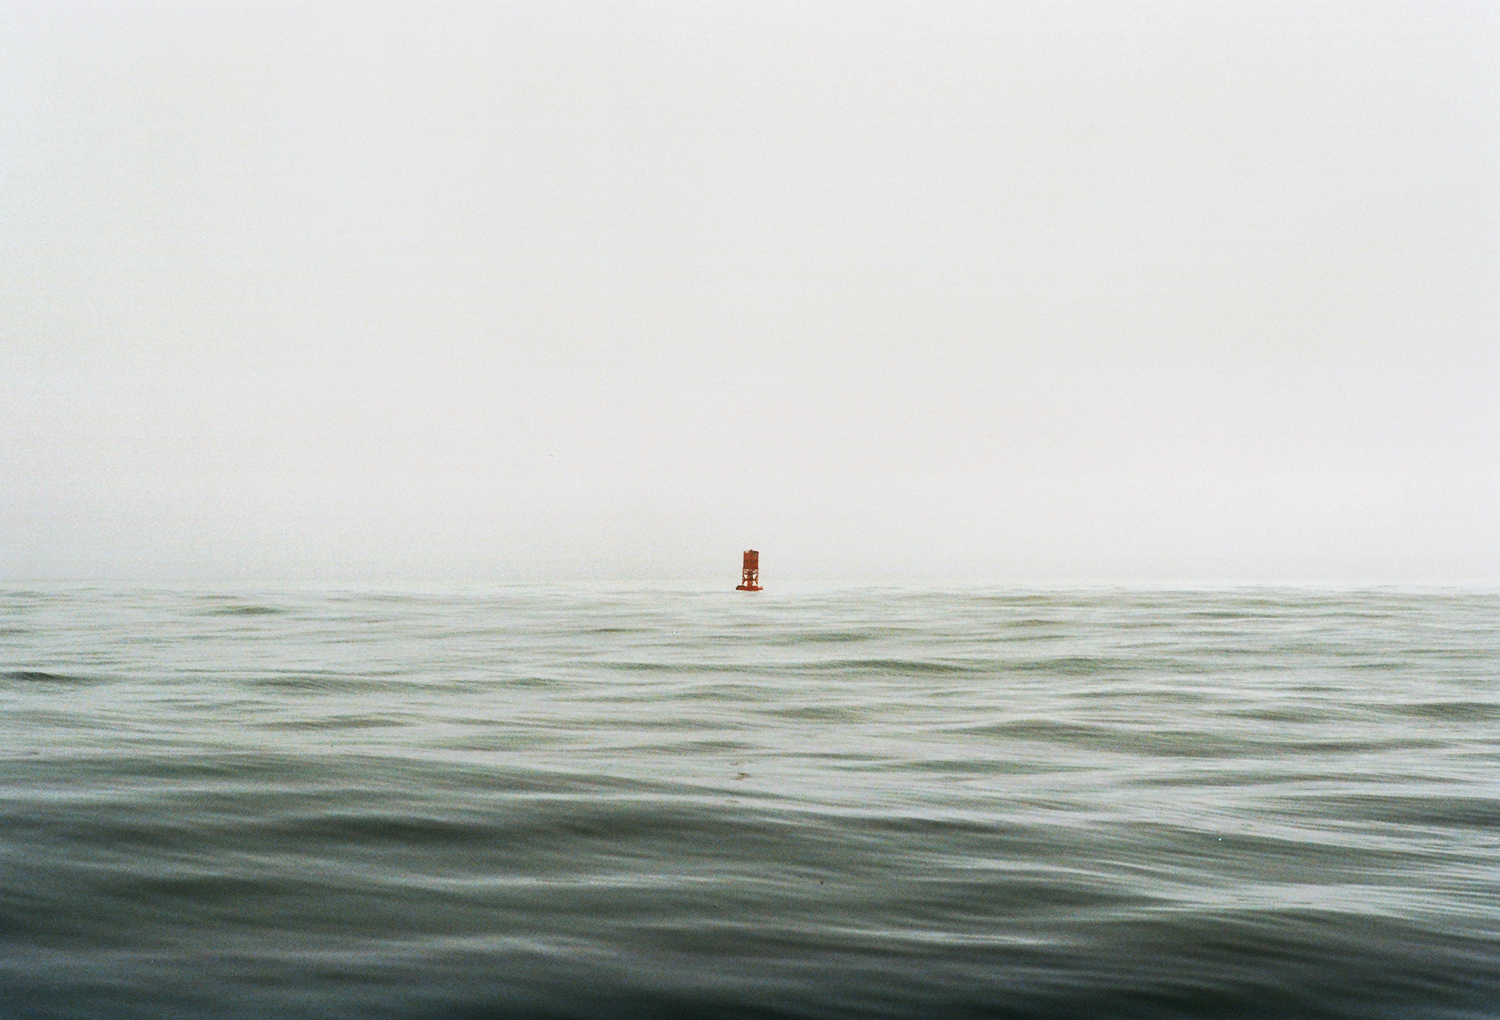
(521, 802)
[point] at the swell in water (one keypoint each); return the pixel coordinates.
(569, 802)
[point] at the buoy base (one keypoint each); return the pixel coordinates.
(748, 587)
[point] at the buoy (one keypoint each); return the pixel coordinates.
(750, 578)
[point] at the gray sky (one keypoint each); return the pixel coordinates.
(1049, 292)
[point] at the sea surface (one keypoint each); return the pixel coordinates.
(577, 802)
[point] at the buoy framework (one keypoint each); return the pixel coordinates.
(750, 576)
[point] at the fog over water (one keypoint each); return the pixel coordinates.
(1062, 292)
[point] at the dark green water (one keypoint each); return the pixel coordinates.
(548, 802)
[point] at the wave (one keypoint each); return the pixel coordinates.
(37, 676)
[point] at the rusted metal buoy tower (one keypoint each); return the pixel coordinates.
(750, 578)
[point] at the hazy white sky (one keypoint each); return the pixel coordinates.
(1018, 292)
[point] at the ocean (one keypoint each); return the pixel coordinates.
(507, 802)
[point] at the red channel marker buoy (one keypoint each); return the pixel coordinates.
(750, 579)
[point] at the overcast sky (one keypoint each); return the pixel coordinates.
(1007, 292)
